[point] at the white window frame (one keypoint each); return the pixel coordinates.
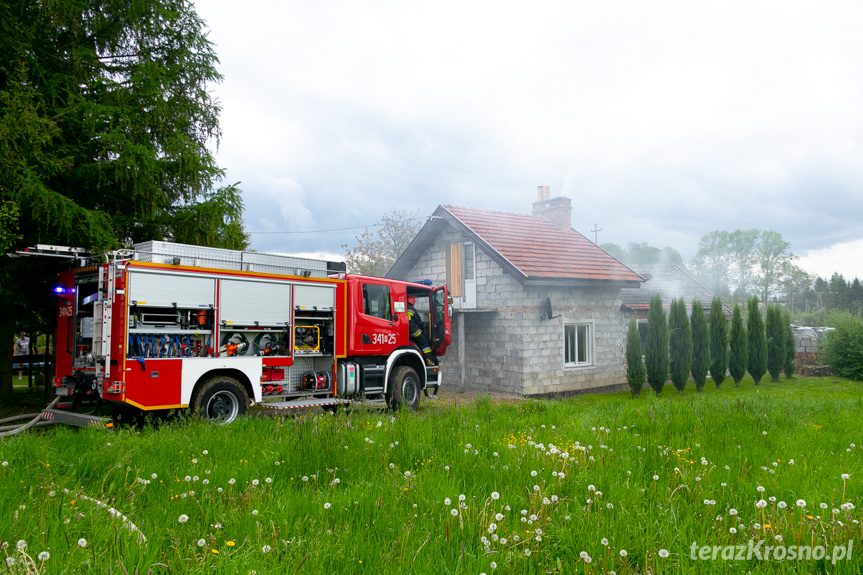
(591, 338)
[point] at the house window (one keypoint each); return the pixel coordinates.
(577, 344)
(642, 332)
(376, 301)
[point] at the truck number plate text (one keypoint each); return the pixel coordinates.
(384, 339)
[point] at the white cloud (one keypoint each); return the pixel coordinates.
(843, 258)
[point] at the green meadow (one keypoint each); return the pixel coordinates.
(723, 481)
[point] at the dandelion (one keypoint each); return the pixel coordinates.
(732, 511)
(536, 488)
(656, 478)
(231, 481)
(44, 556)
(761, 504)
(801, 503)
(183, 518)
(255, 482)
(845, 477)
(495, 495)
(230, 543)
(10, 561)
(604, 541)
(462, 497)
(760, 489)
(493, 565)
(202, 542)
(533, 473)
(663, 553)
(82, 542)
(447, 501)
(187, 478)
(527, 552)
(454, 512)
(623, 553)
(823, 506)
(305, 478)
(21, 545)
(498, 517)
(266, 549)
(327, 505)
(781, 505)
(591, 488)
(270, 480)
(583, 554)
(254, 511)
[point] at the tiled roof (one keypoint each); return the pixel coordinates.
(538, 249)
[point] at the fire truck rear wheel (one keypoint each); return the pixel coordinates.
(221, 399)
(404, 389)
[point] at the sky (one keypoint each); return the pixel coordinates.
(662, 121)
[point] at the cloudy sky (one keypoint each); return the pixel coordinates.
(662, 121)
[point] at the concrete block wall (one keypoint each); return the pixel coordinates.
(598, 306)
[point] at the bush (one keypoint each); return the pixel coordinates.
(718, 342)
(636, 373)
(842, 348)
(757, 347)
(656, 354)
(738, 347)
(700, 345)
(776, 336)
(790, 351)
(679, 344)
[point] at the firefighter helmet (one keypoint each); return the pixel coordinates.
(411, 300)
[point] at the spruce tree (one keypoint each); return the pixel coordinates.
(656, 354)
(718, 342)
(790, 347)
(679, 344)
(636, 373)
(775, 332)
(738, 347)
(700, 345)
(757, 347)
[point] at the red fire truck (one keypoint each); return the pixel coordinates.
(169, 325)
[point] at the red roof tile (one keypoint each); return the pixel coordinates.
(541, 250)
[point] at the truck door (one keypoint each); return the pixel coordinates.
(441, 320)
(378, 326)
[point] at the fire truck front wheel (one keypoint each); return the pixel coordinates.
(404, 388)
(221, 399)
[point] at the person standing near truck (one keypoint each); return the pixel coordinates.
(417, 332)
(22, 347)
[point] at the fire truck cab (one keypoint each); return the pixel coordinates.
(167, 326)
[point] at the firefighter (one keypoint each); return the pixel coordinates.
(417, 333)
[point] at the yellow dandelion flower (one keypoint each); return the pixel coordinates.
(214, 551)
(230, 543)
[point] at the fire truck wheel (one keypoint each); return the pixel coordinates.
(404, 389)
(221, 399)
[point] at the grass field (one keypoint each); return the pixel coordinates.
(593, 484)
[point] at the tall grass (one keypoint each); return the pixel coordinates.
(589, 485)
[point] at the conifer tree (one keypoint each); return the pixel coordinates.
(679, 344)
(790, 347)
(757, 347)
(636, 373)
(738, 347)
(718, 342)
(775, 333)
(700, 345)
(656, 354)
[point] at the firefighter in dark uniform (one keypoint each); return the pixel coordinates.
(417, 334)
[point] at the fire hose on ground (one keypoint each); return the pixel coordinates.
(8, 430)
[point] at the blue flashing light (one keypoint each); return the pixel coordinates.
(61, 290)
(423, 282)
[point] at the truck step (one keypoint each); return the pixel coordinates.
(77, 419)
(299, 403)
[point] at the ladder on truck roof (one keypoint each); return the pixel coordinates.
(236, 260)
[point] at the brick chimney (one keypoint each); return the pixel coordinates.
(556, 210)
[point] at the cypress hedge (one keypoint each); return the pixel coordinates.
(757, 347)
(718, 342)
(656, 354)
(738, 347)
